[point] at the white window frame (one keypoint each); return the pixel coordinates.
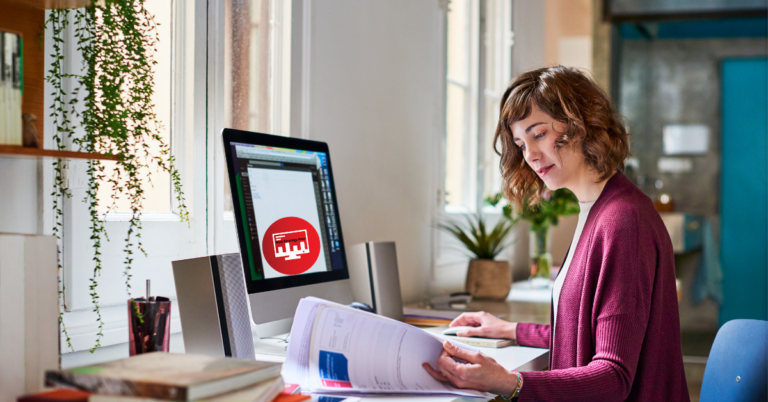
(187, 129)
(470, 86)
(283, 43)
(197, 119)
(482, 159)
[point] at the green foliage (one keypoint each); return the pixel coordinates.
(474, 236)
(561, 202)
(111, 100)
(63, 126)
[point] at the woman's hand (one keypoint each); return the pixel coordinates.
(486, 326)
(480, 372)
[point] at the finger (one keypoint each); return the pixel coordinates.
(434, 373)
(445, 361)
(443, 355)
(447, 365)
(453, 376)
(463, 354)
(466, 319)
(477, 331)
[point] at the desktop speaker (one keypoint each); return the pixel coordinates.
(213, 306)
(374, 277)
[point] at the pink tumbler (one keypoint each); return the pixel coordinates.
(149, 325)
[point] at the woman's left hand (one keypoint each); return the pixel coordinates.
(480, 372)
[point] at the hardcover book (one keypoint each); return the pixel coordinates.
(11, 88)
(265, 391)
(168, 376)
(483, 342)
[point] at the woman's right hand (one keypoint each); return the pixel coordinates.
(486, 326)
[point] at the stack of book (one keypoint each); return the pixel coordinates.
(11, 88)
(421, 317)
(176, 377)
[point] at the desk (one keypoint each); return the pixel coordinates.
(523, 304)
(519, 358)
(513, 357)
(523, 292)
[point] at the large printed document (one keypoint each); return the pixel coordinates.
(338, 349)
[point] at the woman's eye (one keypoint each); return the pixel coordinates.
(522, 147)
(537, 136)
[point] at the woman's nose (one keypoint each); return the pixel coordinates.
(532, 153)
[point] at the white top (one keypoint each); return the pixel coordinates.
(558, 286)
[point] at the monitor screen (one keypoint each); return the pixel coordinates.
(285, 211)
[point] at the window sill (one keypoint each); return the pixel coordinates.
(82, 327)
(145, 217)
(487, 211)
(110, 353)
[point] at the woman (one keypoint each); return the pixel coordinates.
(615, 330)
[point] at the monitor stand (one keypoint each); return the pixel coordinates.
(272, 338)
(273, 346)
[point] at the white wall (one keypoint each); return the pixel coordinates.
(528, 25)
(376, 78)
(376, 96)
(18, 195)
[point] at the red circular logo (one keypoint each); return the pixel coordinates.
(291, 246)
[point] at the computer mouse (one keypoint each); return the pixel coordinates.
(455, 330)
(362, 306)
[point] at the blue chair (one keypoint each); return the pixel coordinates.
(737, 368)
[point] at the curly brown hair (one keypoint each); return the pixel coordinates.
(572, 98)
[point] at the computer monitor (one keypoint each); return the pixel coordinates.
(287, 218)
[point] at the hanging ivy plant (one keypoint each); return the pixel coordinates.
(113, 94)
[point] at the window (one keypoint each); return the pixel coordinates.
(164, 237)
(157, 196)
(478, 69)
(256, 82)
(257, 61)
(221, 63)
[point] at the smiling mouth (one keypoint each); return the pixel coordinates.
(543, 171)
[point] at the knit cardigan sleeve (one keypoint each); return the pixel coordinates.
(620, 313)
(533, 335)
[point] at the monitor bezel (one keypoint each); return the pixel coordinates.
(265, 285)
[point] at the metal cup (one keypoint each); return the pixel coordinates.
(149, 327)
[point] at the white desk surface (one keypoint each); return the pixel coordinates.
(522, 305)
(523, 291)
(513, 357)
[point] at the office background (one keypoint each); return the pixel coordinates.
(369, 78)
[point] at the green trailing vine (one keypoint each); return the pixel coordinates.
(117, 40)
(60, 115)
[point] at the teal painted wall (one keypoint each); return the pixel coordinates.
(697, 29)
(744, 189)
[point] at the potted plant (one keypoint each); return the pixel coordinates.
(542, 217)
(486, 278)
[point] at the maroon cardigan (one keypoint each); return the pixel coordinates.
(618, 328)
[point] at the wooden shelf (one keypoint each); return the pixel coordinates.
(22, 152)
(27, 19)
(48, 4)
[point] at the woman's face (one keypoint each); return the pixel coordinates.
(536, 136)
